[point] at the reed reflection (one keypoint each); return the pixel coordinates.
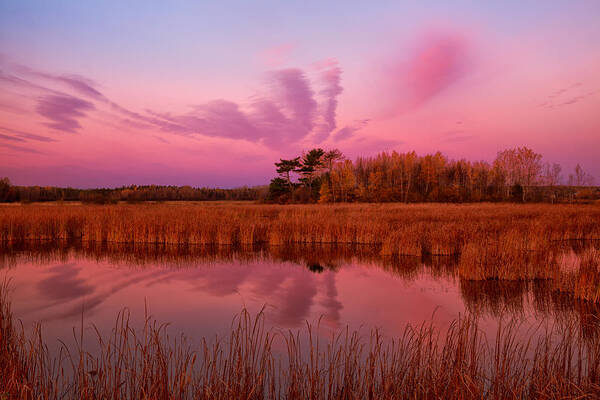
(296, 283)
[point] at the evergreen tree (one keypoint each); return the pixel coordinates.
(310, 166)
(286, 167)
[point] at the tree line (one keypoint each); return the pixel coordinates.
(132, 194)
(517, 174)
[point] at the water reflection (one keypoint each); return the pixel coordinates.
(62, 282)
(199, 289)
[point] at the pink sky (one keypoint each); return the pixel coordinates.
(117, 102)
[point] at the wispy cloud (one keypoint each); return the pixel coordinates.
(63, 111)
(290, 108)
(20, 148)
(437, 62)
(567, 96)
(330, 75)
(292, 90)
(25, 135)
(286, 113)
(161, 139)
(80, 84)
(11, 138)
(348, 131)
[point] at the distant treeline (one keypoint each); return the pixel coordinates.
(328, 177)
(515, 175)
(133, 194)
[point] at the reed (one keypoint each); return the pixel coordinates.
(492, 241)
(508, 256)
(402, 229)
(582, 278)
(424, 362)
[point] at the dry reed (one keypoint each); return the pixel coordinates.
(492, 241)
(423, 363)
(583, 281)
(401, 229)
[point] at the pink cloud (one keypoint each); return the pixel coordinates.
(63, 111)
(568, 96)
(330, 75)
(290, 109)
(81, 85)
(292, 89)
(219, 118)
(348, 131)
(435, 63)
(78, 83)
(11, 138)
(284, 115)
(438, 62)
(24, 136)
(20, 148)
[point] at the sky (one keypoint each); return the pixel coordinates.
(201, 93)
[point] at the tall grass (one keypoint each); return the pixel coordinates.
(494, 241)
(398, 228)
(512, 255)
(582, 280)
(423, 363)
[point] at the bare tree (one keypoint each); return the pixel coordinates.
(521, 166)
(552, 173)
(580, 177)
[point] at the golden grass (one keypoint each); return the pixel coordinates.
(507, 257)
(401, 229)
(584, 280)
(492, 241)
(423, 363)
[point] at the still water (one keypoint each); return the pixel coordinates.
(199, 291)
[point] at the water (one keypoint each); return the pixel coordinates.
(199, 291)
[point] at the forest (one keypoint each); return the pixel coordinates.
(517, 174)
(320, 176)
(131, 194)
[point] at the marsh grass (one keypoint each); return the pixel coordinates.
(520, 246)
(400, 229)
(423, 362)
(491, 241)
(583, 281)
